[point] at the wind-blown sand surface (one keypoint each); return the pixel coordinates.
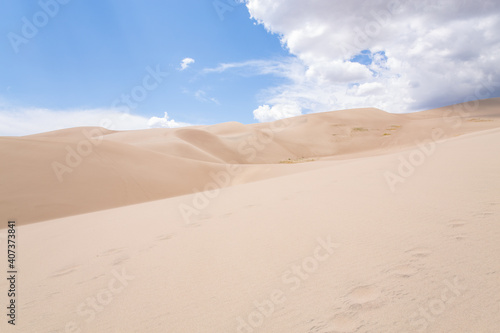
(347, 221)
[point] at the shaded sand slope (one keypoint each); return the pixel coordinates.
(79, 170)
(112, 175)
(422, 257)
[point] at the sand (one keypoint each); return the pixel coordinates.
(346, 221)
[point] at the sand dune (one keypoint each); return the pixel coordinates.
(79, 170)
(380, 236)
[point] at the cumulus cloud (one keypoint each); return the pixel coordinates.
(165, 122)
(415, 54)
(186, 62)
(17, 121)
(266, 113)
(289, 68)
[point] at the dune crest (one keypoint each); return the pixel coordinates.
(79, 170)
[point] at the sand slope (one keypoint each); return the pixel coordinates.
(80, 170)
(329, 249)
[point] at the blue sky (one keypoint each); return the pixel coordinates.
(66, 63)
(92, 52)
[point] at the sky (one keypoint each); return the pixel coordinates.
(130, 64)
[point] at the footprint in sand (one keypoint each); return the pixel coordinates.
(163, 237)
(456, 223)
(419, 252)
(197, 220)
(119, 260)
(460, 237)
(109, 252)
(403, 271)
(364, 294)
(342, 324)
(51, 295)
(484, 214)
(345, 321)
(64, 271)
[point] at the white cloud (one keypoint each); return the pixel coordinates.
(186, 62)
(288, 67)
(369, 88)
(337, 71)
(17, 121)
(202, 96)
(266, 113)
(424, 54)
(165, 122)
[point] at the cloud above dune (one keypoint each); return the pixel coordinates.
(397, 55)
(14, 122)
(266, 113)
(165, 122)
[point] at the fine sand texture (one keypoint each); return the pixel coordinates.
(346, 221)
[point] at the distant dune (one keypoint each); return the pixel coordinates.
(346, 221)
(79, 170)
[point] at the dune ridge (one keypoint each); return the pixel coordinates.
(323, 246)
(118, 168)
